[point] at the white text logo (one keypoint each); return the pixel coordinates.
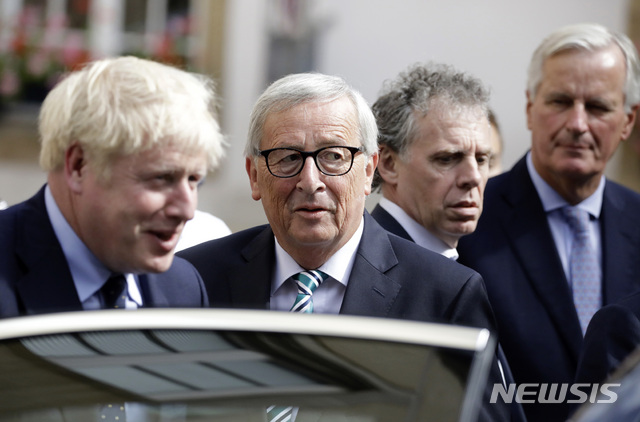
(555, 393)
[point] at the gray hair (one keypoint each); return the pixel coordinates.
(412, 93)
(589, 37)
(295, 89)
(122, 106)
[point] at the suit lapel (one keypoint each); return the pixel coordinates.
(250, 284)
(388, 222)
(370, 292)
(535, 250)
(47, 284)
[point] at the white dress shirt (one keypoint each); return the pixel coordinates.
(327, 298)
(417, 231)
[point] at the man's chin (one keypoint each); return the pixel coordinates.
(158, 264)
(463, 228)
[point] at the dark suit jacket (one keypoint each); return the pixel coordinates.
(389, 223)
(385, 281)
(613, 334)
(514, 251)
(35, 277)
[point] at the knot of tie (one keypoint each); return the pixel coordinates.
(577, 218)
(114, 292)
(308, 282)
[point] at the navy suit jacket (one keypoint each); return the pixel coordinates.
(613, 334)
(35, 277)
(388, 222)
(385, 280)
(513, 249)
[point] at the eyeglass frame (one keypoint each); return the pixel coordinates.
(314, 154)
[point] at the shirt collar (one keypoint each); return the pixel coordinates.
(551, 200)
(417, 231)
(88, 273)
(338, 267)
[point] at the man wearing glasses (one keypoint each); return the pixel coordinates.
(311, 155)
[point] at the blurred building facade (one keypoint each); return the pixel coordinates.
(245, 44)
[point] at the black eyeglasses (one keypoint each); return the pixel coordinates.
(288, 162)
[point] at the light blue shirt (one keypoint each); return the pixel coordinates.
(417, 231)
(552, 203)
(88, 273)
(327, 299)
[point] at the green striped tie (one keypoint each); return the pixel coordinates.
(279, 413)
(308, 282)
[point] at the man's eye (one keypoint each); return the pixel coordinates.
(598, 108)
(168, 178)
(560, 102)
(196, 180)
(289, 158)
(445, 159)
(332, 156)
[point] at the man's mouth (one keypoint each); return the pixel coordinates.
(309, 208)
(465, 204)
(166, 236)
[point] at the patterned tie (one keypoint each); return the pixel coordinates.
(279, 413)
(114, 292)
(113, 412)
(308, 282)
(584, 268)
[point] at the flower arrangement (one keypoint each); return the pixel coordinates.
(39, 50)
(37, 54)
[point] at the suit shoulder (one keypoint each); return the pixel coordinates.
(8, 221)
(631, 197)
(422, 259)
(223, 249)
(181, 267)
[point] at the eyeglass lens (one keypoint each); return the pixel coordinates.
(332, 161)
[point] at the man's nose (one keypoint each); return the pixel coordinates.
(470, 174)
(309, 179)
(577, 121)
(183, 201)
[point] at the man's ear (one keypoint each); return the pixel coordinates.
(387, 165)
(631, 121)
(370, 170)
(75, 167)
(528, 109)
(252, 172)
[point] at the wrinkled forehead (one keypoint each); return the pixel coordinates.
(322, 118)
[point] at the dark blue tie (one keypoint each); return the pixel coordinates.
(114, 292)
(113, 412)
